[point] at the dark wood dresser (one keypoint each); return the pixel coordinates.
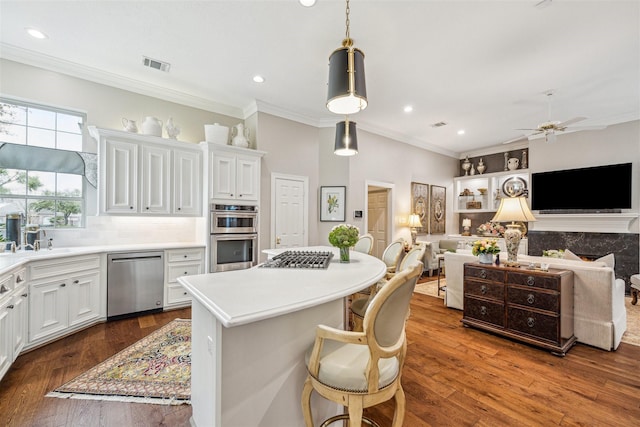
(532, 306)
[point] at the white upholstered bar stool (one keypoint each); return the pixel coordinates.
(363, 369)
(359, 306)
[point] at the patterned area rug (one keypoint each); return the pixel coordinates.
(431, 288)
(632, 334)
(156, 369)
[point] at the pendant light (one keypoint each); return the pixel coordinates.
(346, 138)
(347, 89)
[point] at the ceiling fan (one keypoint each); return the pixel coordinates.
(550, 127)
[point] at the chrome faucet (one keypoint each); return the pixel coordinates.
(13, 247)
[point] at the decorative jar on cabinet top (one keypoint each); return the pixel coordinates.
(152, 126)
(240, 136)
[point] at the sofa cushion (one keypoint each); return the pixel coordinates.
(608, 260)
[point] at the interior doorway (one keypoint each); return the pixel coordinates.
(289, 211)
(379, 215)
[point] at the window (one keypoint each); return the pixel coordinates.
(38, 186)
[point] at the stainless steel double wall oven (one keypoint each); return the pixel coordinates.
(234, 237)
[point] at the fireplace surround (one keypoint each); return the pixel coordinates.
(624, 246)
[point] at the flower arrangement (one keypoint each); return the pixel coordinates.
(344, 235)
(485, 246)
(492, 228)
(553, 253)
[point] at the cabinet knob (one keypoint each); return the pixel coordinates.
(19, 279)
(531, 322)
(63, 285)
(483, 289)
(76, 281)
(179, 209)
(185, 256)
(3, 289)
(130, 207)
(483, 310)
(184, 293)
(147, 208)
(531, 280)
(24, 295)
(231, 194)
(185, 273)
(531, 298)
(10, 306)
(483, 274)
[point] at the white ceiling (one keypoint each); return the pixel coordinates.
(482, 66)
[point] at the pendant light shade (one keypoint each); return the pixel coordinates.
(347, 88)
(346, 139)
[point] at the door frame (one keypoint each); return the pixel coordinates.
(272, 227)
(390, 198)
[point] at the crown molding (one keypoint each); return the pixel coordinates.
(84, 72)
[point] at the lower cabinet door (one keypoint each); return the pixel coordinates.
(48, 303)
(6, 348)
(84, 298)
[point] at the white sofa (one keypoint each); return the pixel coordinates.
(600, 316)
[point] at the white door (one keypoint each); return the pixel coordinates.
(377, 220)
(289, 211)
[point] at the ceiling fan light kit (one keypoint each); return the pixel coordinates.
(347, 91)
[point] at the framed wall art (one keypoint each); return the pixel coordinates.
(438, 210)
(420, 205)
(332, 203)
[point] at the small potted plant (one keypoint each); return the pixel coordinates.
(344, 236)
(485, 250)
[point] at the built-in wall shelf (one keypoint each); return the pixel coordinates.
(592, 223)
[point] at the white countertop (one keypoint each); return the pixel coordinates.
(246, 296)
(10, 260)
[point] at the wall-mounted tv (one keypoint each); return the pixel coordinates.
(594, 189)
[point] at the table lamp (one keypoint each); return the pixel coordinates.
(466, 224)
(513, 209)
(414, 221)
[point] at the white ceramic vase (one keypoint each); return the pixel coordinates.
(485, 258)
(152, 126)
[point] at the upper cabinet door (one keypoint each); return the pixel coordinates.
(247, 178)
(223, 176)
(120, 183)
(187, 167)
(156, 175)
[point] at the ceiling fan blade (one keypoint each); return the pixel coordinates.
(568, 122)
(576, 128)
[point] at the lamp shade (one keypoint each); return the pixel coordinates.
(513, 209)
(466, 222)
(347, 88)
(346, 139)
(414, 221)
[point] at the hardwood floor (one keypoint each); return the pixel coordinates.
(453, 376)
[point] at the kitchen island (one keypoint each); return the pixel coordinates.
(250, 330)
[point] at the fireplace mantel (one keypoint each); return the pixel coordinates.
(593, 223)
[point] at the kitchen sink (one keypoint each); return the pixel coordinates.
(36, 254)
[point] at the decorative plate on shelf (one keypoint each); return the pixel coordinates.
(514, 187)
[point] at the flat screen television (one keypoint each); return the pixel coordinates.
(595, 189)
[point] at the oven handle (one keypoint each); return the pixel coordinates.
(232, 236)
(234, 214)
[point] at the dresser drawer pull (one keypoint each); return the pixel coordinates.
(531, 280)
(483, 310)
(483, 289)
(531, 322)
(483, 274)
(531, 298)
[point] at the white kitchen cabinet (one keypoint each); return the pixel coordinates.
(147, 175)
(156, 175)
(13, 321)
(234, 173)
(64, 295)
(180, 262)
(187, 182)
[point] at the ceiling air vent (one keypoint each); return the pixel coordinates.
(438, 125)
(155, 64)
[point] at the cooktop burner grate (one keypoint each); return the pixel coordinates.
(300, 259)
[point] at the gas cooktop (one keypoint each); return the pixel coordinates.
(300, 259)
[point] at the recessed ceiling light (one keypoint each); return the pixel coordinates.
(36, 34)
(408, 109)
(461, 132)
(307, 3)
(258, 79)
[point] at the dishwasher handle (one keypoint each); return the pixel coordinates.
(141, 258)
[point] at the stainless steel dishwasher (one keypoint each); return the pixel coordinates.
(135, 283)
